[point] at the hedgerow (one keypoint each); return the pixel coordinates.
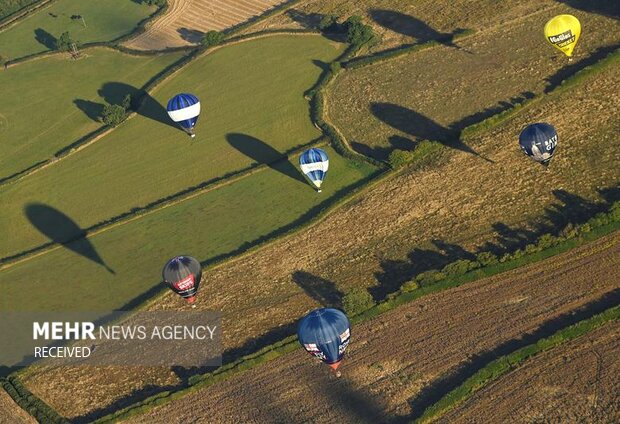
(30, 403)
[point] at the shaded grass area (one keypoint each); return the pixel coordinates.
(47, 104)
(105, 21)
(148, 159)
(211, 227)
(504, 364)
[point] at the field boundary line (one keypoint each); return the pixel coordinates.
(289, 344)
(513, 361)
(23, 13)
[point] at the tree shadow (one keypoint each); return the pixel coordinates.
(602, 7)
(262, 153)
(191, 35)
(141, 101)
(422, 128)
(61, 229)
(383, 152)
(556, 79)
(45, 38)
(306, 20)
(321, 290)
(92, 109)
(413, 27)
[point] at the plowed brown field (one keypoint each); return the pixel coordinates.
(11, 413)
(395, 356)
(417, 219)
(577, 382)
(186, 21)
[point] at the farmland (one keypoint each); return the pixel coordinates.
(105, 21)
(388, 369)
(275, 120)
(69, 108)
(542, 391)
(188, 20)
(10, 412)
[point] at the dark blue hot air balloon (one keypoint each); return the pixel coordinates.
(538, 141)
(314, 164)
(325, 334)
(184, 110)
(182, 274)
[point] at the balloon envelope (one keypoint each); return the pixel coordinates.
(563, 32)
(325, 334)
(184, 110)
(539, 141)
(182, 274)
(314, 164)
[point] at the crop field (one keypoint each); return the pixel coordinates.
(10, 412)
(397, 356)
(577, 382)
(398, 103)
(105, 21)
(186, 21)
(67, 109)
(235, 132)
(413, 223)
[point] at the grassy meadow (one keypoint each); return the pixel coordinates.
(105, 20)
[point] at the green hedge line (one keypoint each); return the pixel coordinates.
(573, 236)
(401, 51)
(40, 410)
(505, 364)
(23, 12)
(268, 14)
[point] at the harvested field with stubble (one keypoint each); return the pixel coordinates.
(396, 357)
(11, 413)
(186, 21)
(577, 382)
(414, 221)
(397, 103)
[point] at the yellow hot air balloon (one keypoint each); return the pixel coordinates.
(562, 32)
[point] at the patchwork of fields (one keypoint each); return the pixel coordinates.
(145, 191)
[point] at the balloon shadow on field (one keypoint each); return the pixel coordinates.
(61, 229)
(602, 7)
(141, 101)
(413, 27)
(92, 109)
(262, 153)
(191, 35)
(45, 38)
(321, 290)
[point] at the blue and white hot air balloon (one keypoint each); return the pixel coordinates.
(539, 141)
(184, 110)
(325, 333)
(314, 164)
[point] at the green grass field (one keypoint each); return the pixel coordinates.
(57, 91)
(105, 20)
(253, 108)
(215, 223)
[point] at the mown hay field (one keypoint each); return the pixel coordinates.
(105, 20)
(49, 103)
(247, 117)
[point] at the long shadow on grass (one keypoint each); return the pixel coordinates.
(440, 387)
(191, 35)
(602, 7)
(61, 229)
(413, 27)
(321, 290)
(262, 153)
(92, 109)
(569, 210)
(45, 38)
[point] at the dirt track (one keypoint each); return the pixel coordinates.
(577, 382)
(186, 21)
(419, 219)
(11, 413)
(396, 355)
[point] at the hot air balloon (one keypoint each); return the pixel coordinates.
(184, 110)
(325, 334)
(314, 164)
(182, 274)
(538, 141)
(563, 32)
